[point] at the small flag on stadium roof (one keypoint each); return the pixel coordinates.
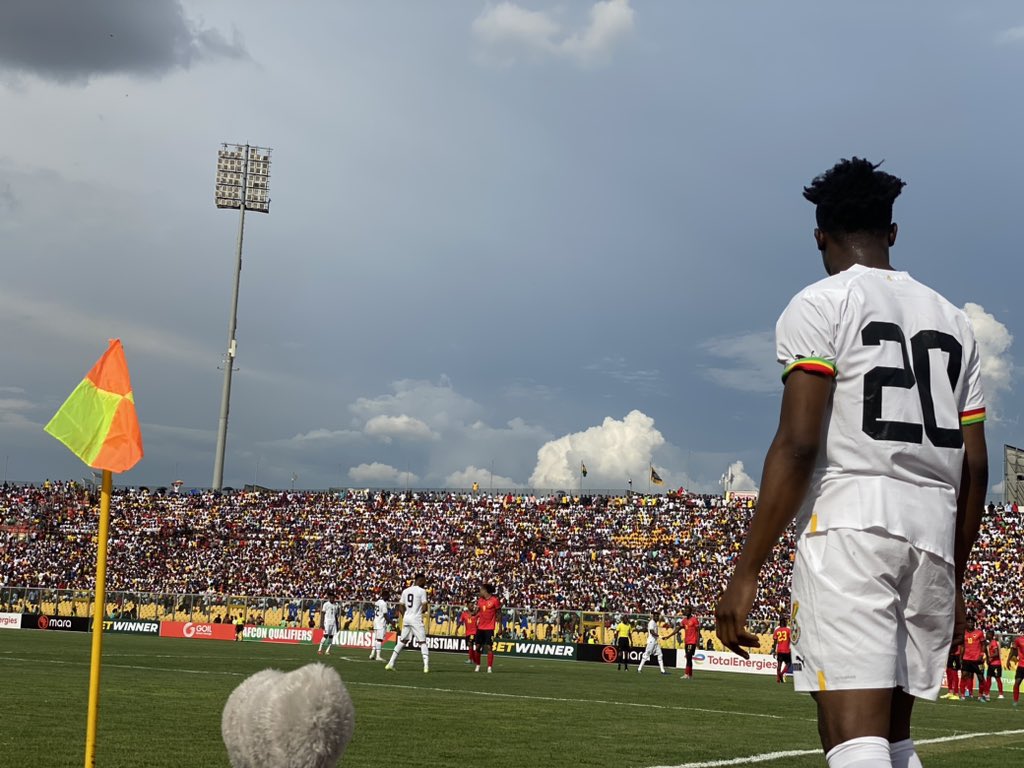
(656, 478)
(583, 469)
(98, 422)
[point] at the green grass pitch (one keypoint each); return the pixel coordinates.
(162, 699)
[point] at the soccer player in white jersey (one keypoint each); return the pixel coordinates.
(380, 626)
(329, 623)
(653, 645)
(880, 457)
(412, 606)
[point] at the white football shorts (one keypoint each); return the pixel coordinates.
(379, 630)
(653, 648)
(409, 631)
(870, 610)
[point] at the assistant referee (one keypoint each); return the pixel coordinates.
(622, 632)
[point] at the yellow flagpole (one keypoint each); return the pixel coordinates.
(98, 614)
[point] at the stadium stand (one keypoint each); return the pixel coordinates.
(564, 563)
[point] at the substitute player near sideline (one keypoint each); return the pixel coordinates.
(412, 606)
(487, 608)
(880, 456)
(781, 649)
(380, 627)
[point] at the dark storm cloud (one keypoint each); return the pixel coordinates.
(71, 41)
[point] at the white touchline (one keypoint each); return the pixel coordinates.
(769, 756)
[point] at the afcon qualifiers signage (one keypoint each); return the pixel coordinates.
(286, 635)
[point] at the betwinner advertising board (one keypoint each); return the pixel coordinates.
(525, 648)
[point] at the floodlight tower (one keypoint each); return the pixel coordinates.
(243, 182)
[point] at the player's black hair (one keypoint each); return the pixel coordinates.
(419, 576)
(854, 196)
(489, 588)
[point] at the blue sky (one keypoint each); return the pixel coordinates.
(508, 236)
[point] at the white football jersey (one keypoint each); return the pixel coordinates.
(380, 613)
(652, 628)
(907, 378)
(330, 611)
(414, 598)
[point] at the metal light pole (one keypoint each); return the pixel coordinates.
(243, 174)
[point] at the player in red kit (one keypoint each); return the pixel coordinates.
(690, 630)
(1017, 652)
(953, 672)
(974, 652)
(781, 650)
(487, 608)
(995, 665)
(468, 619)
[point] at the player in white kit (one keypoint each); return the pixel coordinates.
(880, 456)
(653, 645)
(412, 606)
(380, 626)
(329, 623)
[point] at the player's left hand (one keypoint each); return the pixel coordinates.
(731, 615)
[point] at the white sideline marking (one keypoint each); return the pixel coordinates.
(768, 756)
(498, 695)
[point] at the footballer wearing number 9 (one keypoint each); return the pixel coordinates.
(880, 457)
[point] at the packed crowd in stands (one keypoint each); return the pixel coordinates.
(603, 553)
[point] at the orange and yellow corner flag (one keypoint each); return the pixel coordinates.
(98, 422)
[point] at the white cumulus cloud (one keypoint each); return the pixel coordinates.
(465, 478)
(507, 31)
(994, 342)
(613, 452)
(378, 474)
(1010, 35)
(401, 427)
(737, 479)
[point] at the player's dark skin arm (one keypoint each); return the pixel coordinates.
(785, 479)
(970, 509)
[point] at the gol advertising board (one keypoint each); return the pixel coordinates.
(526, 648)
(197, 630)
(724, 661)
(54, 623)
(609, 654)
(10, 621)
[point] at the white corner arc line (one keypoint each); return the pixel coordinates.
(769, 756)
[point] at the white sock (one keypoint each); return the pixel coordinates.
(642, 662)
(904, 755)
(865, 752)
(398, 650)
(661, 663)
(426, 654)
